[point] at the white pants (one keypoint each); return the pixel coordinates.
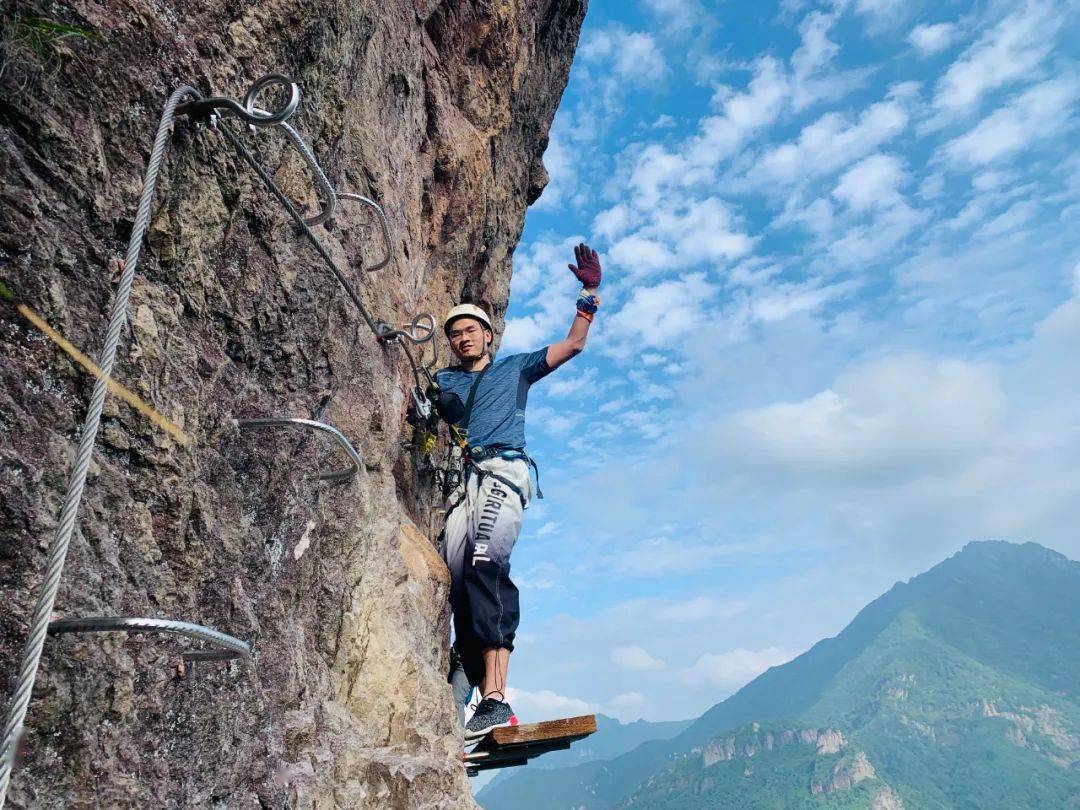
(481, 529)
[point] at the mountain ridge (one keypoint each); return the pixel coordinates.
(965, 599)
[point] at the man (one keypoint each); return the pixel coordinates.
(485, 400)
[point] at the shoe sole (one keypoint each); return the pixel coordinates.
(474, 735)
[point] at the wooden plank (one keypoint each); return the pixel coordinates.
(530, 750)
(576, 727)
(516, 745)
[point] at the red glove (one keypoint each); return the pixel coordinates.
(587, 269)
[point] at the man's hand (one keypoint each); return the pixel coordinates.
(587, 269)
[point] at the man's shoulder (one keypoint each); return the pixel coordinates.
(448, 373)
(520, 359)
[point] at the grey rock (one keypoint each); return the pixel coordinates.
(440, 111)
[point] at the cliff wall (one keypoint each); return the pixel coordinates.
(437, 110)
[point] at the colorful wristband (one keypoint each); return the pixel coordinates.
(588, 302)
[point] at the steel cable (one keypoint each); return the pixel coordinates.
(40, 625)
(58, 549)
(286, 203)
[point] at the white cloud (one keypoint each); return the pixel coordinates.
(871, 183)
(627, 706)
(882, 12)
(772, 89)
(659, 316)
(782, 301)
(633, 57)
(562, 174)
(544, 704)
(741, 113)
(541, 273)
(548, 529)
(703, 609)
(542, 260)
(1016, 216)
(732, 670)
(1011, 51)
(893, 419)
(557, 423)
(638, 255)
(901, 411)
(570, 383)
(678, 15)
(663, 557)
(523, 334)
(635, 658)
(613, 222)
(543, 577)
(831, 142)
(932, 39)
(877, 240)
(678, 236)
(1041, 112)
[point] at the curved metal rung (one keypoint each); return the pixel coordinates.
(208, 107)
(348, 195)
(316, 170)
(333, 475)
(229, 648)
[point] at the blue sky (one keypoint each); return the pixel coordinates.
(840, 332)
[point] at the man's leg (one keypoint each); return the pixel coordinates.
(492, 595)
(496, 664)
(468, 655)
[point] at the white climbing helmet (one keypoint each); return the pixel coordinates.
(467, 311)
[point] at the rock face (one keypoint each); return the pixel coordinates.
(439, 111)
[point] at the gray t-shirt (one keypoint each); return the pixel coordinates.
(498, 415)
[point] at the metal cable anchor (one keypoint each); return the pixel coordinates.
(213, 107)
(419, 330)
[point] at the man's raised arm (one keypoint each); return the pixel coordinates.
(587, 271)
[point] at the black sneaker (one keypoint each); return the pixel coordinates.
(489, 714)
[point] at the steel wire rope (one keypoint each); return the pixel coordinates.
(286, 203)
(28, 668)
(200, 106)
(383, 332)
(320, 176)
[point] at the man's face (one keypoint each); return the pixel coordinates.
(468, 338)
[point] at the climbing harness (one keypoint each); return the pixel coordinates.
(334, 475)
(477, 454)
(214, 111)
(472, 466)
(472, 455)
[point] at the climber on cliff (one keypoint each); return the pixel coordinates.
(484, 400)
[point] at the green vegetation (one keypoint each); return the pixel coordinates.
(40, 34)
(26, 36)
(958, 689)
